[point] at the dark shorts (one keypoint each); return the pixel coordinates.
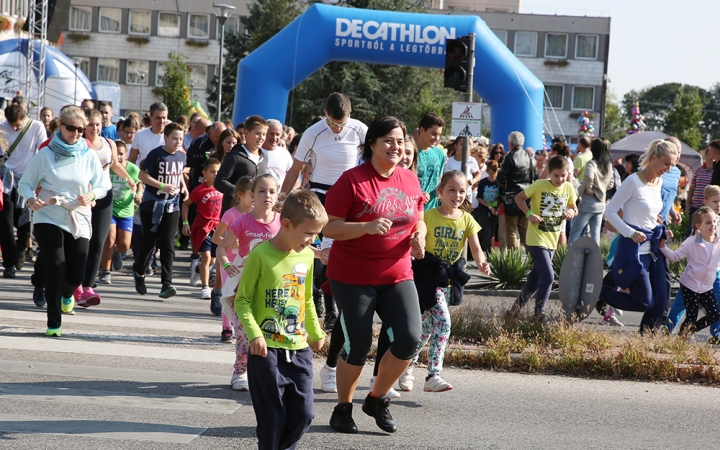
(124, 223)
(208, 245)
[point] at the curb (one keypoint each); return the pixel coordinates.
(511, 293)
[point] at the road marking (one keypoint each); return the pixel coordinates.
(104, 321)
(154, 432)
(68, 345)
(90, 397)
(110, 373)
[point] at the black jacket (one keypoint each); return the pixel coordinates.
(235, 165)
(196, 157)
(432, 272)
(517, 172)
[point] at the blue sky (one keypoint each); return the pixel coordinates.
(652, 41)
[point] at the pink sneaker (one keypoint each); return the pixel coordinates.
(87, 298)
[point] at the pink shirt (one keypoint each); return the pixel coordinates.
(250, 232)
(230, 216)
(700, 273)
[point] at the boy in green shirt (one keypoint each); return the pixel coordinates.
(274, 303)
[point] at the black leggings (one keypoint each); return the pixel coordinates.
(693, 300)
(164, 240)
(337, 341)
(64, 257)
(101, 219)
(398, 307)
(12, 250)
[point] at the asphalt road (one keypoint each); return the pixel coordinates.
(138, 373)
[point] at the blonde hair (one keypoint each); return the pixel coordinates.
(72, 112)
(711, 190)
(658, 148)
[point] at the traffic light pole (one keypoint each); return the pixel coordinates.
(469, 95)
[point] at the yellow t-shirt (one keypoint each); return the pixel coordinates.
(446, 237)
(549, 202)
(580, 164)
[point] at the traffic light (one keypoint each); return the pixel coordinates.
(457, 63)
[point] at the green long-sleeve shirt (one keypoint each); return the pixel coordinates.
(274, 298)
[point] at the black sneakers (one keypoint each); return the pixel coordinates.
(341, 419)
(39, 296)
(140, 283)
(378, 408)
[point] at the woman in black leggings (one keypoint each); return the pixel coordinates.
(375, 218)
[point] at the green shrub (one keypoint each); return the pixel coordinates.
(509, 267)
(676, 268)
(605, 249)
(558, 259)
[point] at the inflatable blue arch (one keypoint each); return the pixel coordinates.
(326, 33)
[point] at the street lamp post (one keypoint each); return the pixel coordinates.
(223, 12)
(142, 74)
(76, 61)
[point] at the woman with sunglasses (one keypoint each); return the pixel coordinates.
(106, 151)
(497, 153)
(68, 178)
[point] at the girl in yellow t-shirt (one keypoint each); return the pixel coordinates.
(449, 226)
(551, 201)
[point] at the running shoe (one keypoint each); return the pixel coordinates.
(239, 382)
(328, 382)
(20, 262)
(167, 291)
(406, 380)
(378, 408)
(149, 270)
(140, 287)
(39, 296)
(117, 261)
(104, 277)
(226, 336)
(341, 419)
(205, 293)
(619, 312)
(88, 298)
(392, 393)
(215, 302)
(610, 319)
(67, 305)
(435, 383)
(9, 272)
(55, 332)
(195, 272)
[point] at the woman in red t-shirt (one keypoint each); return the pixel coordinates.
(375, 212)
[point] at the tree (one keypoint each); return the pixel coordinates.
(267, 18)
(175, 91)
(614, 125)
(711, 121)
(686, 116)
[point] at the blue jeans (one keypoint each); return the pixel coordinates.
(677, 311)
(590, 214)
(539, 280)
(648, 293)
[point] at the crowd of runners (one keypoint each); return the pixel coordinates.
(294, 236)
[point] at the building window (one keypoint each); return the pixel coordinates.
(80, 18)
(139, 22)
(502, 35)
(133, 75)
(108, 70)
(159, 74)
(554, 96)
(525, 43)
(583, 98)
(198, 26)
(84, 64)
(110, 20)
(586, 46)
(198, 74)
(556, 45)
(168, 24)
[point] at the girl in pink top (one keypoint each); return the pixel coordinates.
(696, 283)
(246, 232)
(243, 205)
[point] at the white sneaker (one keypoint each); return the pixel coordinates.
(618, 312)
(239, 382)
(205, 293)
(194, 274)
(406, 380)
(392, 393)
(327, 379)
(436, 384)
(610, 319)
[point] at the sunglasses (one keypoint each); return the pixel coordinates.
(339, 125)
(73, 128)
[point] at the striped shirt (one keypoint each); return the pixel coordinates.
(701, 179)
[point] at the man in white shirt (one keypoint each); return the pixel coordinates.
(151, 138)
(279, 160)
(23, 136)
(331, 146)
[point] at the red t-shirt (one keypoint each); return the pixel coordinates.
(363, 195)
(208, 202)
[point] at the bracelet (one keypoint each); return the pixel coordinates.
(225, 266)
(186, 222)
(528, 214)
(162, 185)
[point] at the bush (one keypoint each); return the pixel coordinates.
(509, 267)
(605, 249)
(676, 268)
(558, 259)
